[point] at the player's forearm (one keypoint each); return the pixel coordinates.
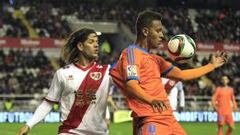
(43, 109)
(137, 92)
(235, 105)
(213, 103)
(190, 74)
(112, 103)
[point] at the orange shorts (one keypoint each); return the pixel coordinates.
(157, 125)
(225, 119)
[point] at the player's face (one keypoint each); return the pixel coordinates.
(225, 80)
(89, 48)
(155, 35)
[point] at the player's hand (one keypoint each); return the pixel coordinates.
(159, 105)
(215, 108)
(115, 108)
(24, 130)
(235, 108)
(219, 59)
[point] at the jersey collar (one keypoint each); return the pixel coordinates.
(84, 68)
(140, 48)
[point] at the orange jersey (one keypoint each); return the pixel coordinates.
(224, 96)
(135, 63)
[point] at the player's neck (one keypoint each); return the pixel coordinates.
(142, 43)
(83, 62)
(225, 86)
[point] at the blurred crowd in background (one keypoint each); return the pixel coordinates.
(48, 19)
(22, 72)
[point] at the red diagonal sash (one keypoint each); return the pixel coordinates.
(84, 97)
(169, 85)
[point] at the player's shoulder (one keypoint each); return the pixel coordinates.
(65, 68)
(218, 89)
(159, 59)
(135, 49)
(179, 83)
(103, 66)
(165, 80)
(230, 88)
(157, 56)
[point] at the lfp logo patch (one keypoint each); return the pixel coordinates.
(132, 70)
(151, 129)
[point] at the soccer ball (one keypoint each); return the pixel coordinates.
(181, 48)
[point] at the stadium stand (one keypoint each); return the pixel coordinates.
(23, 72)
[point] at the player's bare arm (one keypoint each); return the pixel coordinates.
(214, 102)
(235, 107)
(217, 60)
(112, 103)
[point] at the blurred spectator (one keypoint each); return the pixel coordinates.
(48, 18)
(22, 72)
(8, 104)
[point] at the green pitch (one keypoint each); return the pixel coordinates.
(116, 129)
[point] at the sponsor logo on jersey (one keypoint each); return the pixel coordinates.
(90, 97)
(70, 77)
(132, 70)
(96, 75)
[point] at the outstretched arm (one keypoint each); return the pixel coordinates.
(214, 101)
(43, 109)
(217, 61)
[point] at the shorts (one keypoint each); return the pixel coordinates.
(225, 119)
(157, 125)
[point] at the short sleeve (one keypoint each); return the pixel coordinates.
(131, 64)
(180, 86)
(55, 89)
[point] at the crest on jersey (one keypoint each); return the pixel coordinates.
(132, 70)
(96, 75)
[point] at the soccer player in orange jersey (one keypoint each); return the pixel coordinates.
(224, 103)
(138, 74)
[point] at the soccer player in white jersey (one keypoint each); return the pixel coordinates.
(175, 90)
(81, 88)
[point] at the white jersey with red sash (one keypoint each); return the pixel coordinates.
(174, 88)
(82, 94)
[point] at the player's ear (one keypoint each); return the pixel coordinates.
(145, 31)
(80, 46)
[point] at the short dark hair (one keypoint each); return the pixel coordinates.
(145, 19)
(70, 52)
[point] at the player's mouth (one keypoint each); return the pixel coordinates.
(96, 51)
